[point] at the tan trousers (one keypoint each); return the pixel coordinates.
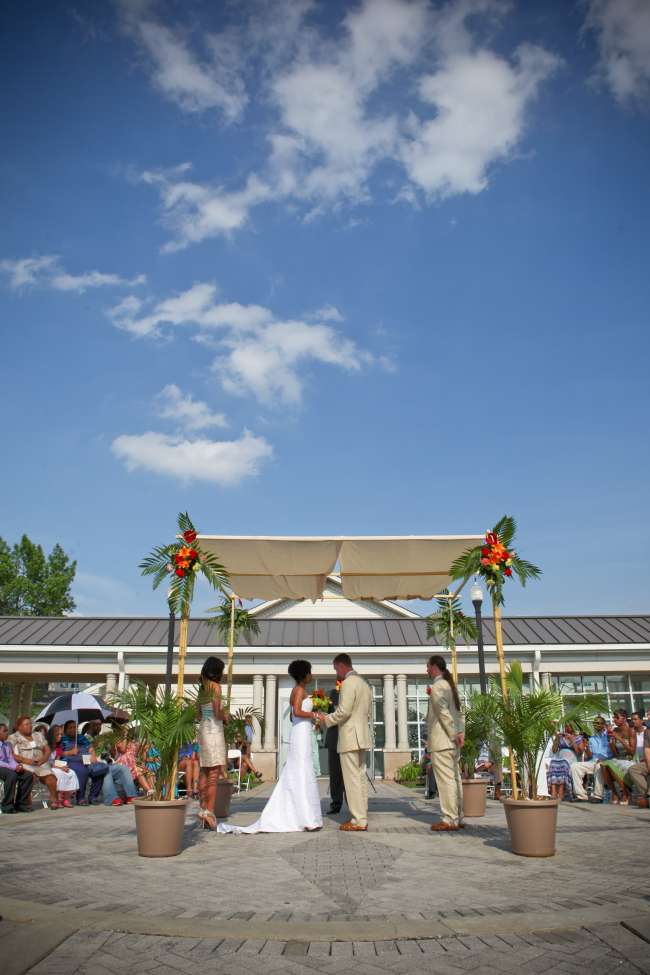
(353, 766)
(450, 787)
(639, 778)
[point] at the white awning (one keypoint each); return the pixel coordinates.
(384, 567)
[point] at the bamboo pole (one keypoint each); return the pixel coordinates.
(498, 637)
(452, 641)
(231, 648)
(182, 650)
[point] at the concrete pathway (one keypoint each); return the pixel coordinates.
(76, 897)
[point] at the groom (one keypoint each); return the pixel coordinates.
(352, 717)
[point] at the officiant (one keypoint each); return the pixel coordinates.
(334, 760)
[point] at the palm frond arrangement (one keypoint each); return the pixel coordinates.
(160, 726)
(245, 625)
(495, 560)
(449, 625)
(239, 719)
(232, 622)
(526, 720)
(180, 563)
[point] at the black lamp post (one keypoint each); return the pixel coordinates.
(477, 600)
(170, 652)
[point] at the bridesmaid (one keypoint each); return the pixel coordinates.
(212, 742)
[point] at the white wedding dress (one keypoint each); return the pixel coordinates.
(294, 804)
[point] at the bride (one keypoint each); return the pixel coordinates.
(294, 804)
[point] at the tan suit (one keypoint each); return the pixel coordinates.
(444, 722)
(352, 717)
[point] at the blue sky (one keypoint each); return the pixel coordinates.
(349, 268)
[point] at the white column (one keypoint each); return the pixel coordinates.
(258, 704)
(111, 684)
(389, 711)
(402, 714)
(269, 713)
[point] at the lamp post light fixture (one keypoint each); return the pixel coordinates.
(476, 594)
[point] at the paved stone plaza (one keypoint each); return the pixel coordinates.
(75, 897)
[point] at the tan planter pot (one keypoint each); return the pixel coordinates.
(222, 801)
(532, 824)
(159, 826)
(474, 797)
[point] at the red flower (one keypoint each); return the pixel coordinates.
(189, 536)
(485, 550)
(485, 561)
(507, 572)
(180, 572)
(193, 554)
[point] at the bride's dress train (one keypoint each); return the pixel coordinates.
(294, 804)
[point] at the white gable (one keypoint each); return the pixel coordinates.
(333, 605)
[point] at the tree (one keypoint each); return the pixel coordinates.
(33, 584)
(231, 623)
(449, 625)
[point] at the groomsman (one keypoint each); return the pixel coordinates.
(336, 774)
(446, 735)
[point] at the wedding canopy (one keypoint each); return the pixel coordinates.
(381, 567)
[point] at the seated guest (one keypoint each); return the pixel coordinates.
(78, 752)
(127, 754)
(118, 786)
(188, 762)
(566, 748)
(638, 774)
(247, 766)
(622, 741)
(638, 727)
(32, 751)
(15, 777)
(596, 750)
(67, 782)
(490, 764)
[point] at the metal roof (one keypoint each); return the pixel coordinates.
(80, 631)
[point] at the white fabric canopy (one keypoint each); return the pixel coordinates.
(390, 567)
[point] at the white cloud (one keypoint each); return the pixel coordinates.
(401, 82)
(47, 272)
(193, 80)
(479, 102)
(267, 364)
(222, 462)
(623, 30)
(256, 352)
(186, 411)
(195, 211)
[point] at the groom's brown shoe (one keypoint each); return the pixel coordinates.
(444, 828)
(351, 827)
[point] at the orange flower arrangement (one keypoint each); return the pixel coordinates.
(495, 557)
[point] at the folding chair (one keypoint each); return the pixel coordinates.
(234, 754)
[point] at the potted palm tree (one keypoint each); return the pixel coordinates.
(449, 625)
(159, 727)
(526, 720)
(480, 730)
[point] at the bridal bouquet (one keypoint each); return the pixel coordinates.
(320, 701)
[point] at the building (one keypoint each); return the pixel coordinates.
(388, 644)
